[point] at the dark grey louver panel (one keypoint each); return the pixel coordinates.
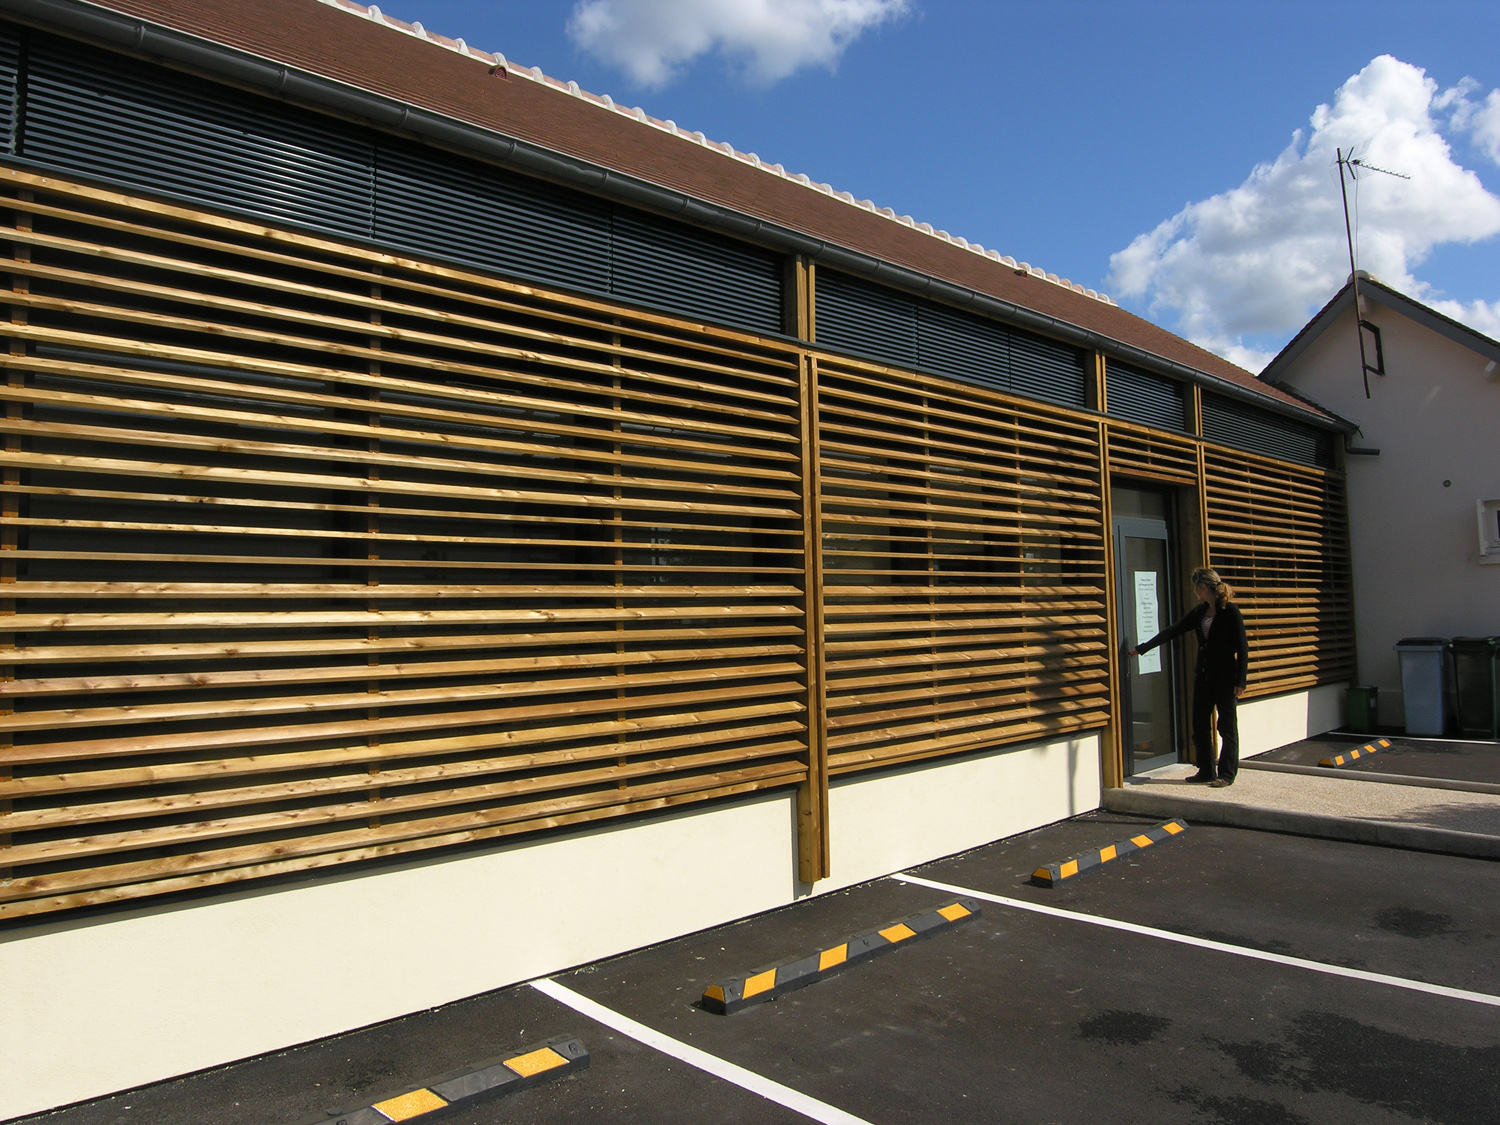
(115, 118)
(10, 74)
(873, 321)
(1259, 431)
(669, 265)
(1046, 369)
(444, 205)
(868, 320)
(1140, 396)
(965, 347)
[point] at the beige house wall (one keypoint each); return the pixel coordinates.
(1434, 417)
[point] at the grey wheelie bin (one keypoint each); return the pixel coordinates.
(1424, 683)
(1475, 661)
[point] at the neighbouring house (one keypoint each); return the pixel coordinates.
(454, 527)
(1424, 483)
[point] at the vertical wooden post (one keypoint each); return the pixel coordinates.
(797, 299)
(1095, 387)
(1207, 542)
(1111, 748)
(10, 504)
(929, 545)
(1191, 553)
(814, 860)
(372, 556)
(617, 556)
(1195, 419)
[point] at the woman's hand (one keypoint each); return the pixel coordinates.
(1239, 691)
(1133, 652)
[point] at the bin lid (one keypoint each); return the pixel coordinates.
(1421, 644)
(1476, 644)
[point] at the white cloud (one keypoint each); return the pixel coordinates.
(1481, 120)
(652, 40)
(1482, 316)
(1256, 261)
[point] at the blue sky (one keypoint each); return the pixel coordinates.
(1066, 133)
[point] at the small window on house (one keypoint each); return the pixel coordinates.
(1489, 531)
(1374, 352)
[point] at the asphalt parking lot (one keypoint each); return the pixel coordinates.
(1016, 1016)
(1441, 758)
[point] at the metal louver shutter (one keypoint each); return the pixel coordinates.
(115, 118)
(966, 347)
(1243, 426)
(672, 266)
(1046, 369)
(10, 72)
(438, 204)
(1140, 396)
(866, 320)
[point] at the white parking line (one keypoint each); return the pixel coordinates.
(712, 1064)
(1205, 943)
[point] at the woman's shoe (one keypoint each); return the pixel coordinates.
(1220, 783)
(1200, 776)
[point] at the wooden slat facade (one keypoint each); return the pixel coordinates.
(1279, 536)
(317, 554)
(963, 580)
(314, 553)
(1147, 455)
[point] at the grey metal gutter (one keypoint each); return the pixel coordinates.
(144, 39)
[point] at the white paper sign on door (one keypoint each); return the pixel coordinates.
(1146, 619)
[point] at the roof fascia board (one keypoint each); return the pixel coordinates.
(143, 38)
(1460, 334)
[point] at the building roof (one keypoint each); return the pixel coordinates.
(340, 42)
(1373, 289)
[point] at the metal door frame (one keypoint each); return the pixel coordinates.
(1134, 527)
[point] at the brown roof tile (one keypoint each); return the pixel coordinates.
(335, 41)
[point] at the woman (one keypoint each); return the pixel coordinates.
(1219, 679)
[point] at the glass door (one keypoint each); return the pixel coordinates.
(1143, 575)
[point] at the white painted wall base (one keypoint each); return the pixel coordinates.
(1266, 724)
(886, 823)
(96, 1005)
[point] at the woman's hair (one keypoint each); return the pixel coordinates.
(1205, 576)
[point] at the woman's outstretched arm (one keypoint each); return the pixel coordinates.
(1171, 632)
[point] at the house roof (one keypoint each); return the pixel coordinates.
(474, 100)
(1376, 290)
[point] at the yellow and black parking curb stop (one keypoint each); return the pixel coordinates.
(1083, 863)
(460, 1089)
(1354, 755)
(729, 996)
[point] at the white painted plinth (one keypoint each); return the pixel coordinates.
(1279, 720)
(94, 1005)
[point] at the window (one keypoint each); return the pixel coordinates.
(1489, 531)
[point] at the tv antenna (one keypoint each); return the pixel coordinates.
(1355, 166)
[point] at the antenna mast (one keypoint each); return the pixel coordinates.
(1352, 162)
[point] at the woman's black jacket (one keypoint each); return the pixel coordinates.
(1224, 658)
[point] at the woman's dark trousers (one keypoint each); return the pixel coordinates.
(1209, 696)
